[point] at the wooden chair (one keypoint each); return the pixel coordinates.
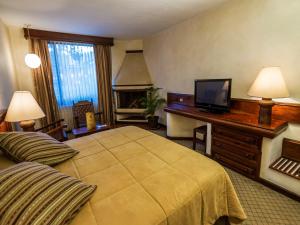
(55, 130)
(80, 109)
(200, 130)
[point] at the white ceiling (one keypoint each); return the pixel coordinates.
(113, 18)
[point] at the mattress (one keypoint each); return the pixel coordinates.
(145, 179)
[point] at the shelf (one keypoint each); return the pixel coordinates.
(287, 166)
(289, 161)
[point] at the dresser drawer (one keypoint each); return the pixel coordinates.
(234, 156)
(236, 149)
(236, 136)
(242, 151)
(241, 168)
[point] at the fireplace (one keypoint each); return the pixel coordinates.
(131, 84)
(128, 107)
(129, 99)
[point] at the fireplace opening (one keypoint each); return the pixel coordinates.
(130, 99)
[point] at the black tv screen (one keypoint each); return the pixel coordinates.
(213, 94)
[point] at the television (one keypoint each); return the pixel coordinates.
(213, 95)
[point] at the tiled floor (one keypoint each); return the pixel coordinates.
(262, 205)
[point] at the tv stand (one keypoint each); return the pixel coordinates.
(235, 137)
(211, 110)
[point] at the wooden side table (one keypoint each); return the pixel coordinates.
(83, 131)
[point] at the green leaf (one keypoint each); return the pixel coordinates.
(152, 102)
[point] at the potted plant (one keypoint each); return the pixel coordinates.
(152, 102)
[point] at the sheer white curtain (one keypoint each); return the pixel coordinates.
(74, 75)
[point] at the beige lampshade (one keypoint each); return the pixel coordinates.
(269, 84)
(22, 107)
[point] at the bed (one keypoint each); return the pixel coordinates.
(145, 179)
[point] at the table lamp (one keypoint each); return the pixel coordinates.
(23, 108)
(268, 84)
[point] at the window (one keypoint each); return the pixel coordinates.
(74, 72)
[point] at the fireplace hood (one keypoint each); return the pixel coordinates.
(134, 71)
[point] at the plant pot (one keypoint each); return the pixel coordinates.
(153, 122)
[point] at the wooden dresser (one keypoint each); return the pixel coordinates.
(240, 151)
(236, 137)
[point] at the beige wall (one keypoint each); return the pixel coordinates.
(20, 47)
(7, 76)
(234, 40)
(118, 52)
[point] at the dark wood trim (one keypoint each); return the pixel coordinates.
(175, 96)
(2, 115)
(282, 162)
(55, 130)
(279, 189)
(180, 138)
(255, 101)
(289, 159)
(4, 126)
(291, 149)
(83, 131)
(67, 37)
(134, 51)
(183, 99)
(281, 111)
(236, 120)
(125, 85)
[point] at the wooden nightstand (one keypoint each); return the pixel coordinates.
(83, 131)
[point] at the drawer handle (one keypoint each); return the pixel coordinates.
(246, 170)
(243, 138)
(234, 142)
(218, 144)
(237, 143)
(247, 155)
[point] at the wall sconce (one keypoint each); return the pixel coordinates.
(32, 60)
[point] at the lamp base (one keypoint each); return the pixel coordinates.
(265, 111)
(27, 125)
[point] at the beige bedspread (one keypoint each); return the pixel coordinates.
(145, 179)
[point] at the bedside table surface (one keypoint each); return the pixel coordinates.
(82, 131)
